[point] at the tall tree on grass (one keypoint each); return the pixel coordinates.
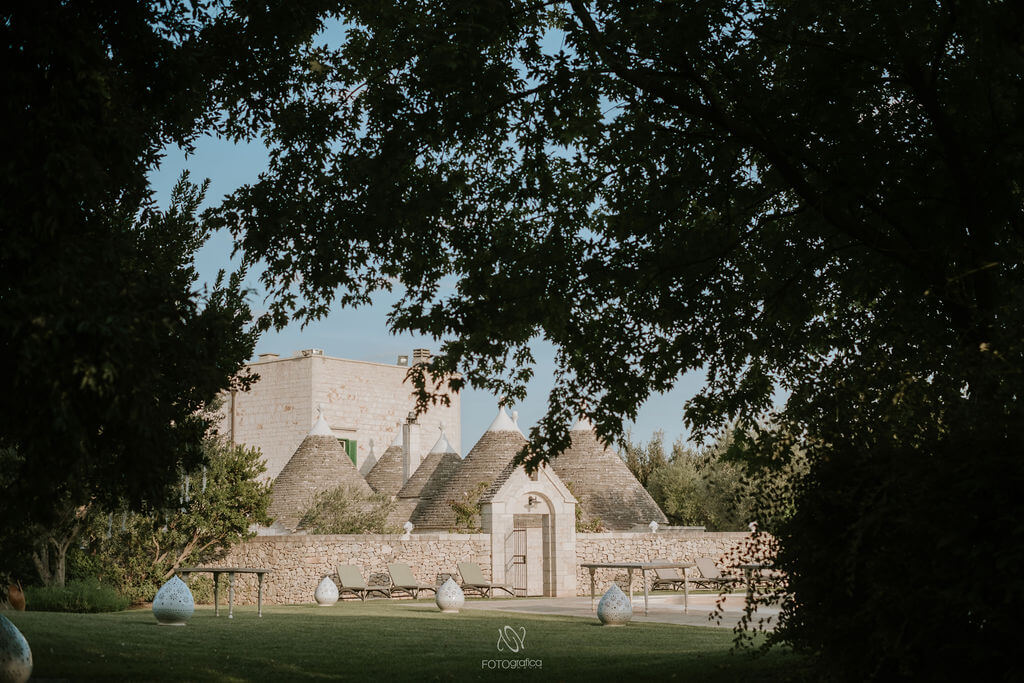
(108, 349)
(200, 517)
(822, 198)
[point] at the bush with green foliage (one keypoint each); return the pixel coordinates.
(79, 595)
(211, 510)
(693, 488)
(644, 459)
(467, 511)
(714, 486)
(345, 510)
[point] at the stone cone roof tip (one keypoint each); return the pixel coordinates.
(369, 463)
(442, 445)
(486, 462)
(603, 484)
(503, 423)
(583, 425)
(320, 427)
(429, 478)
(319, 464)
(386, 475)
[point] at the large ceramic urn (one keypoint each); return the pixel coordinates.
(614, 608)
(450, 597)
(326, 593)
(15, 655)
(173, 604)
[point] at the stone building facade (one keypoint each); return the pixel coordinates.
(362, 401)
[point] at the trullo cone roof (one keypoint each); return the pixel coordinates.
(603, 485)
(319, 464)
(432, 474)
(483, 464)
(386, 475)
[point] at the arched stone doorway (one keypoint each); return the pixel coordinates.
(532, 523)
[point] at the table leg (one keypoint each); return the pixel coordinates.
(629, 580)
(231, 595)
(216, 592)
(686, 592)
(643, 577)
(592, 570)
(259, 598)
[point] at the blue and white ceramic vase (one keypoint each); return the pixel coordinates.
(450, 597)
(173, 604)
(614, 608)
(15, 655)
(326, 593)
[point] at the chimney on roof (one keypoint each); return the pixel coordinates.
(403, 360)
(306, 353)
(267, 356)
(420, 356)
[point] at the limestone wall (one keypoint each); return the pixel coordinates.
(646, 547)
(361, 401)
(297, 563)
(364, 400)
(275, 414)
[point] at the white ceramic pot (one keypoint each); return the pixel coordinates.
(326, 593)
(614, 608)
(15, 655)
(450, 597)
(173, 604)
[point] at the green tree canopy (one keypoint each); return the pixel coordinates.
(820, 198)
(108, 349)
(200, 517)
(764, 191)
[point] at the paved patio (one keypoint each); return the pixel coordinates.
(665, 609)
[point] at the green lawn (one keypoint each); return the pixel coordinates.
(375, 640)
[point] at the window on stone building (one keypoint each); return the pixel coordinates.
(350, 447)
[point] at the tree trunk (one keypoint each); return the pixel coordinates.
(60, 555)
(41, 560)
(52, 569)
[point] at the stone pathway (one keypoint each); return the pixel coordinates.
(664, 609)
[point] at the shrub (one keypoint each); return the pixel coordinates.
(86, 595)
(467, 511)
(209, 511)
(344, 510)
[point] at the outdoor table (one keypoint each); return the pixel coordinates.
(230, 571)
(643, 567)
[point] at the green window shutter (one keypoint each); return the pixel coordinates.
(351, 448)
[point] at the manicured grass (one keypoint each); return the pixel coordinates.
(379, 640)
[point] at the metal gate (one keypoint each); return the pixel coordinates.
(515, 561)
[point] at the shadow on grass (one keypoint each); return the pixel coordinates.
(371, 640)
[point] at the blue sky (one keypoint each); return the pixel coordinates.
(362, 333)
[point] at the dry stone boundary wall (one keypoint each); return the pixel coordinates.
(298, 562)
(647, 547)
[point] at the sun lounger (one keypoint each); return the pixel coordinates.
(473, 579)
(350, 580)
(670, 577)
(402, 579)
(711, 576)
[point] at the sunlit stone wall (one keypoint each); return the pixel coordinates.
(299, 562)
(683, 546)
